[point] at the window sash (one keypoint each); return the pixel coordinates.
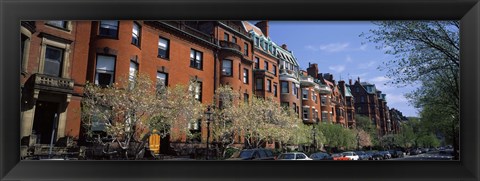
(105, 70)
(284, 87)
(245, 76)
(162, 79)
(305, 93)
(259, 84)
(108, 28)
(60, 24)
(53, 61)
(269, 85)
(163, 47)
(196, 59)
(227, 68)
(136, 34)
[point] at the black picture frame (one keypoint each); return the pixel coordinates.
(11, 12)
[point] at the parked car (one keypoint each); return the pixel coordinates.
(321, 156)
(363, 155)
(375, 155)
(352, 155)
(253, 154)
(386, 154)
(396, 153)
(339, 156)
(293, 156)
(415, 151)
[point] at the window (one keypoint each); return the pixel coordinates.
(105, 70)
(136, 34)
(257, 41)
(323, 100)
(257, 63)
(108, 29)
(245, 97)
(284, 87)
(357, 90)
(24, 51)
(245, 76)
(359, 109)
(162, 80)
(314, 97)
(163, 47)
(53, 61)
(274, 70)
(324, 116)
(259, 84)
(275, 90)
(295, 107)
(245, 49)
(197, 90)
(132, 73)
(295, 90)
(227, 67)
(226, 37)
(269, 85)
(305, 93)
(99, 123)
(58, 24)
(362, 99)
(234, 39)
(265, 65)
(196, 59)
(305, 112)
(285, 104)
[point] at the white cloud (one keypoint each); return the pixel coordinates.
(363, 47)
(337, 68)
(395, 99)
(348, 59)
(367, 65)
(334, 47)
(311, 47)
(380, 79)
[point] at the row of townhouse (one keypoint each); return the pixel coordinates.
(58, 58)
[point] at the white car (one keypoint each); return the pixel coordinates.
(351, 155)
(293, 156)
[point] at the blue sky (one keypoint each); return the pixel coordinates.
(337, 48)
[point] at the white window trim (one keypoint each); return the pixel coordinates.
(65, 67)
(26, 49)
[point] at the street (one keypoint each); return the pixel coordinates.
(433, 155)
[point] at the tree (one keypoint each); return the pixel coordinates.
(119, 110)
(365, 124)
(131, 108)
(425, 52)
(338, 136)
(223, 129)
(263, 120)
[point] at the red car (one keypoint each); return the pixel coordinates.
(339, 156)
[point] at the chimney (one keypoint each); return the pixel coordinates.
(358, 79)
(284, 46)
(349, 81)
(263, 25)
(312, 70)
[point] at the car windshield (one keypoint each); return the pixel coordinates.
(287, 156)
(318, 155)
(246, 154)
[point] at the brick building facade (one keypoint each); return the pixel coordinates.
(59, 57)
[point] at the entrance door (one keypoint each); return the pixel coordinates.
(43, 122)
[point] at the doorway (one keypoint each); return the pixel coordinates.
(45, 121)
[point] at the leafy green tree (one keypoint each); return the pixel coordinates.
(425, 53)
(365, 124)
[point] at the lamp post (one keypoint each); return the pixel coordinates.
(314, 134)
(208, 114)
